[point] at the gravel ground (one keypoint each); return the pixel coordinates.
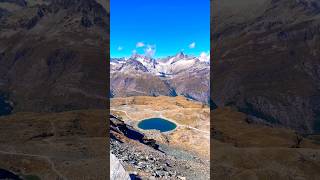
(147, 163)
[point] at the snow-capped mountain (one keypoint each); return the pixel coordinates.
(164, 67)
(174, 75)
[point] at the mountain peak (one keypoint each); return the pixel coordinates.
(180, 55)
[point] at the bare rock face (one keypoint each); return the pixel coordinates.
(266, 60)
(116, 169)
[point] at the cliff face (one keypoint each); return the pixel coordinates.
(116, 169)
(52, 54)
(266, 60)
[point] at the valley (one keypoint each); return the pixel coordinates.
(188, 144)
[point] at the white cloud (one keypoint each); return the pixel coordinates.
(139, 44)
(192, 45)
(120, 48)
(205, 56)
(134, 51)
(150, 50)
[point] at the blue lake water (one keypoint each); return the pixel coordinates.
(157, 123)
(5, 107)
(4, 174)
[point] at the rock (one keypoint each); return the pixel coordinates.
(116, 169)
(182, 178)
(168, 164)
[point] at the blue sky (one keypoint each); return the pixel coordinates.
(159, 28)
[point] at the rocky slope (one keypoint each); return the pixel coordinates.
(246, 150)
(65, 145)
(266, 60)
(52, 62)
(52, 54)
(171, 76)
(180, 154)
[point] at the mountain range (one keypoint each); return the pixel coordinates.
(266, 60)
(50, 54)
(52, 85)
(180, 74)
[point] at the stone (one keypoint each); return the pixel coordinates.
(182, 178)
(116, 169)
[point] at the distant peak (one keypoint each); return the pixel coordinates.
(137, 56)
(180, 55)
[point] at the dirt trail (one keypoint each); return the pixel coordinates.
(60, 175)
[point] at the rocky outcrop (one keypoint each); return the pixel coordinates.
(117, 171)
(117, 126)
